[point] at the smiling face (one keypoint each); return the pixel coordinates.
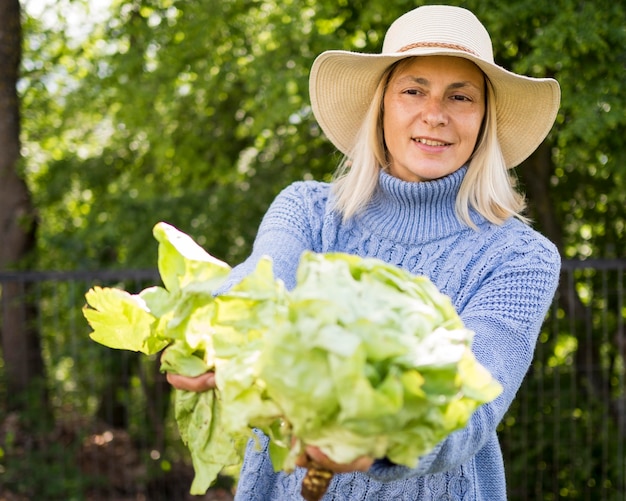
(433, 110)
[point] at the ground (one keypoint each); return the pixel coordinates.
(90, 450)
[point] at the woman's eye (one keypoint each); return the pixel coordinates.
(461, 98)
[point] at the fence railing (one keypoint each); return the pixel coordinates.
(563, 438)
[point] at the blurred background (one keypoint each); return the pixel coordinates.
(118, 114)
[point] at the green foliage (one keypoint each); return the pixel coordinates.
(583, 46)
(181, 116)
(30, 449)
(553, 416)
(197, 113)
(52, 473)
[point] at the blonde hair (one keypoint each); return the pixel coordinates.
(488, 186)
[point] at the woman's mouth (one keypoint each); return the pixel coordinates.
(430, 142)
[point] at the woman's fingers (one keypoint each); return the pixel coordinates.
(204, 382)
(315, 454)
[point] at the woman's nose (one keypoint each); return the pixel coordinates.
(434, 112)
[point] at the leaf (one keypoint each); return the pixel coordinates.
(120, 320)
(212, 448)
(179, 358)
(183, 263)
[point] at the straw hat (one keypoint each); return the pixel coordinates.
(342, 83)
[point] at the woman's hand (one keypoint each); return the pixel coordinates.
(203, 382)
(314, 454)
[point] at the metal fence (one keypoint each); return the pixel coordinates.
(564, 437)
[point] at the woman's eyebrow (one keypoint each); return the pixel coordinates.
(417, 80)
(461, 85)
(426, 83)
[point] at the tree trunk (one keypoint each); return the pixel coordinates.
(535, 173)
(20, 342)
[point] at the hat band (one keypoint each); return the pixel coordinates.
(439, 45)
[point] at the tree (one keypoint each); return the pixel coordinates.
(176, 114)
(20, 341)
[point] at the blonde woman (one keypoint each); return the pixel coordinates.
(430, 129)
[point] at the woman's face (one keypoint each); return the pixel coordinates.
(433, 110)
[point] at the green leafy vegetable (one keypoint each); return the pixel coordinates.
(360, 358)
(177, 318)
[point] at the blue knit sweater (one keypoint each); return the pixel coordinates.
(501, 280)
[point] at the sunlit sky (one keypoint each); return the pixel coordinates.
(78, 16)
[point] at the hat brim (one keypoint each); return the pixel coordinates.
(342, 85)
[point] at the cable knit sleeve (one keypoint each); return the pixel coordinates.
(290, 226)
(505, 307)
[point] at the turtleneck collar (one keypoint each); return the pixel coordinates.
(415, 211)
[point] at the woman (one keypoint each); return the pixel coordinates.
(429, 129)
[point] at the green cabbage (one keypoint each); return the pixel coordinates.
(360, 358)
